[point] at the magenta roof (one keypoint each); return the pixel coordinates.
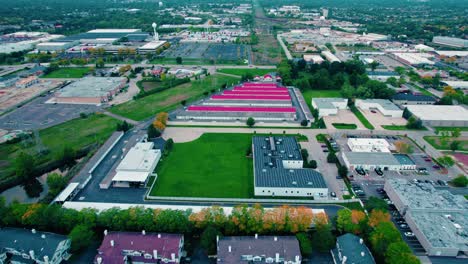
(251, 97)
(236, 92)
(242, 109)
(260, 84)
(145, 244)
(260, 89)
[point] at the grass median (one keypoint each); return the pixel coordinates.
(361, 117)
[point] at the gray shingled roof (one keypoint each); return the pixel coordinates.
(268, 166)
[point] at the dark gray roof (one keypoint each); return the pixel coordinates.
(269, 153)
(350, 246)
(244, 249)
(372, 158)
(413, 97)
(23, 240)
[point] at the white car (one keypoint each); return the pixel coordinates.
(409, 234)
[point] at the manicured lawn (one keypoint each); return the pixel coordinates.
(344, 126)
(77, 134)
(169, 99)
(241, 72)
(361, 118)
(77, 72)
(440, 144)
(422, 90)
(394, 127)
(309, 94)
(214, 165)
(450, 128)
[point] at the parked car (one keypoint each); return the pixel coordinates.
(373, 111)
(427, 160)
(380, 190)
(325, 150)
(400, 222)
(378, 171)
(404, 226)
(437, 167)
(324, 146)
(360, 171)
(338, 177)
(409, 234)
(442, 182)
(333, 194)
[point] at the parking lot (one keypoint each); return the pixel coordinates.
(378, 120)
(38, 115)
(221, 52)
(343, 116)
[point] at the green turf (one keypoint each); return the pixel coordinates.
(450, 128)
(439, 143)
(214, 165)
(241, 72)
(422, 90)
(344, 126)
(68, 72)
(309, 94)
(394, 127)
(77, 134)
(169, 99)
(361, 118)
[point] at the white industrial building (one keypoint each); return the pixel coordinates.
(314, 58)
(54, 46)
(438, 218)
(413, 59)
(451, 42)
(440, 115)
(385, 107)
(368, 145)
(422, 47)
(330, 56)
(374, 160)
(329, 106)
(457, 84)
(151, 47)
(137, 165)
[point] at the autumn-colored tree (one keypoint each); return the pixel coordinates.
(353, 221)
(162, 117)
(403, 147)
(159, 125)
(376, 217)
(32, 214)
(211, 216)
(449, 91)
(382, 236)
(301, 218)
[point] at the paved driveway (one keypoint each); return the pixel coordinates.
(378, 120)
(343, 116)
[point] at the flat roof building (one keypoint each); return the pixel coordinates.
(351, 249)
(385, 107)
(368, 145)
(413, 99)
(137, 165)
(438, 218)
(440, 115)
(90, 90)
(451, 42)
(258, 249)
(330, 56)
(329, 106)
(457, 84)
(314, 58)
(373, 160)
(413, 59)
(30, 246)
(278, 169)
(151, 47)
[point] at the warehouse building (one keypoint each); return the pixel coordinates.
(413, 59)
(101, 36)
(329, 106)
(413, 99)
(440, 115)
(463, 85)
(385, 107)
(8, 81)
(139, 163)
(90, 90)
(330, 56)
(55, 46)
(278, 170)
(368, 145)
(377, 160)
(438, 218)
(313, 58)
(351, 249)
(258, 249)
(151, 47)
(451, 42)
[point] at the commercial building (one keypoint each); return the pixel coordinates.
(368, 145)
(258, 249)
(278, 170)
(451, 42)
(144, 248)
(424, 48)
(351, 249)
(330, 56)
(313, 58)
(374, 160)
(385, 107)
(413, 99)
(137, 166)
(26, 82)
(329, 106)
(30, 246)
(413, 59)
(90, 90)
(152, 46)
(8, 81)
(54, 46)
(440, 115)
(100, 36)
(23, 41)
(463, 85)
(438, 218)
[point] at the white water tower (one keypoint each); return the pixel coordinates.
(156, 36)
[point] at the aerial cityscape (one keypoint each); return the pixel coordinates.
(245, 131)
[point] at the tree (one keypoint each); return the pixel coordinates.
(24, 166)
(304, 154)
(460, 181)
(343, 171)
(304, 123)
(373, 65)
(169, 144)
(250, 122)
(208, 239)
(377, 216)
(414, 123)
(100, 63)
(153, 132)
(312, 164)
(81, 237)
(324, 240)
(331, 158)
(124, 126)
(400, 253)
(456, 133)
(375, 203)
(162, 117)
(305, 244)
(455, 145)
(179, 60)
(446, 161)
(384, 234)
(67, 156)
(56, 182)
(403, 147)
(351, 221)
(159, 125)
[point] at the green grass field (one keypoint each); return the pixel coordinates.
(344, 126)
(77, 72)
(241, 72)
(189, 61)
(309, 94)
(214, 165)
(394, 127)
(362, 118)
(450, 128)
(440, 144)
(77, 134)
(169, 99)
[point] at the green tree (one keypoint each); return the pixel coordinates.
(375, 203)
(312, 164)
(304, 154)
(208, 239)
(100, 63)
(331, 158)
(304, 243)
(456, 132)
(373, 65)
(250, 122)
(56, 183)
(351, 221)
(460, 181)
(179, 60)
(81, 237)
(153, 132)
(384, 234)
(24, 166)
(342, 171)
(323, 238)
(414, 123)
(455, 145)
(400, 253)
(446, 161)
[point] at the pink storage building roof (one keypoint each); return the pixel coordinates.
(242, 109)
(260, 84)
(275, 90)
(251, 97)
(235, 92)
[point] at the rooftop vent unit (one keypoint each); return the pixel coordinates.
(294, 183)
(309, 183)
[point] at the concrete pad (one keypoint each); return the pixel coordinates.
(378, 120)
(343, 116)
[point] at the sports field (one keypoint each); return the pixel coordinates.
(77, 72)
(169, 99)
(215, 165)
